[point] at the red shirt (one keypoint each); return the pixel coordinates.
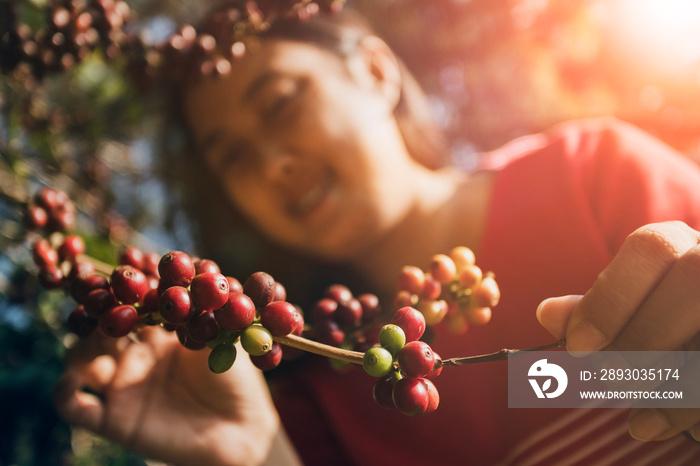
(563, 203)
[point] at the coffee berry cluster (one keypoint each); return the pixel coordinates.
(453, 289)
(205, 308)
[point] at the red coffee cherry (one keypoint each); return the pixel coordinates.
(209, 291)
(72, 247)
(280, 318)
(238, 312)
(411, 279)
(51, 278)
(43, 254)
(269, 360)
(80, 323)
(129, 284)
(349, 313)
(206, 266)
(411, 396)
(371, 309)
(338, 293)
(35, 217)
(234, 285)
(260, 287)
(132, 256)
(176, 269)
(186, 340)
(324, 309)
(99, 301)
(80, 286)
(433, 396)
(411, 321)
(119, 320)
(382, 392)
(416, 359)
(175, 305)
(203, 327)
(329, 333)
(280, 292)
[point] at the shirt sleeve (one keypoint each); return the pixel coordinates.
(628, 177)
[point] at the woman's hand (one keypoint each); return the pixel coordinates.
(648, 298)
(161, 400)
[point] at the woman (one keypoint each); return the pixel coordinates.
(310, 142)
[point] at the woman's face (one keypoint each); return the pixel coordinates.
(306, 146)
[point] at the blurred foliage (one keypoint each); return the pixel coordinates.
(494, 70)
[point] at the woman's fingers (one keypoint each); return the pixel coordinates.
(663, 423)
(620, 290)
(554, 313)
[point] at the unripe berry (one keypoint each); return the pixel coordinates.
(411, 279)
(470, 276)
(479, 315)
(411, 322)
(416, 359)
(222, 357)
(256, 340)
(377, 361)
(487, 293)
(392, 337)
(238, 312)
(433, 311)
(209, 291)
(443, 269)
(463, 257)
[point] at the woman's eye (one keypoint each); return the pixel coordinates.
(276, 109)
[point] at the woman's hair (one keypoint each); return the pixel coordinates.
(222, 233)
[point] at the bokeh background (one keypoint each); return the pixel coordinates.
(494, 70)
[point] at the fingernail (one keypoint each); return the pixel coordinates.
(585, 337)
(648, 424)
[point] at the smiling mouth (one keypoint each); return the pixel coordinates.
(312, 198)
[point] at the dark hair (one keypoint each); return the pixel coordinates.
(225, 236)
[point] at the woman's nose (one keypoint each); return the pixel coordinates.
(278, 163)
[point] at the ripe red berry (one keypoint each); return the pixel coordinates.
(280, 292)
(433, 396)
(132, 256)
(80, 323)
(432, 288)
(280, 318)
(324, 309)
(119, 320)
(35, 217)
(98, 301)
(206, 266)
(411, 321)
(382, 392)
(371, 309)
(349, 313)
(329, 333)
(51, 278)
(203, 327)
(338, 293)
(150, 264)
(72, 247)
(238, 312)
(269, 360)
(176, 269)
(186, 340)
(209, 291)
(234, 285)
(411, 396)
(175, 305)
(129, 284)
(80, 286)
(416, 359)
(260, 287)
(47, 198)
(43, 254)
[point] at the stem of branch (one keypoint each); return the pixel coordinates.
(354, 357)
(498, 355)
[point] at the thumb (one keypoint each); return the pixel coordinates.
(554, 313)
